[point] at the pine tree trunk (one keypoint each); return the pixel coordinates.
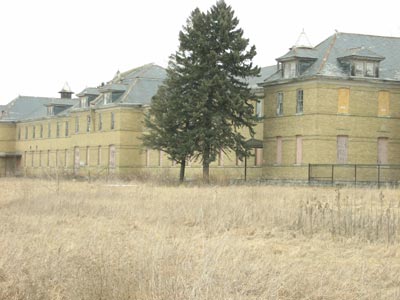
(206, 166)
(182, 171)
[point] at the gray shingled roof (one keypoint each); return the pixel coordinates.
(89, 91)
(26, 107)
(340, 45)
(264, 74)
(299, 52)
(139, 85)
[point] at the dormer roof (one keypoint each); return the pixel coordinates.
(361, 53)
(329, 53)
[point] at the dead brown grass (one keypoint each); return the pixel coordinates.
(107, 241)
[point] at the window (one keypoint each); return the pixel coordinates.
(238, 160)
(259, 108)
(278, 150)
(48, 158)
(76, 159)
(343, 101)
(342, 144)
(369, 69)
(76, 124)
(299, 149)
(289, 69)
(50, 110)
(66, 128)
(159, 158)
(58, 130)
(112, 121)
(88, 124)
(382, 150)
(279, 104)
(84, 102)
(365, 68)
(87, 156)
(221, 158)
(19, 133)
(40, 158)
(113, 157)
(99, 155)
(41, 131)
(49, 130)
(147, 157)
(33, 132)
(26, 133)
(57, 158)
(259, 157)
(100, 122)
(66, 157)
(107, 98)
(299, 102)
(383, 103)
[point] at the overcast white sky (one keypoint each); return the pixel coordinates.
(45, 43)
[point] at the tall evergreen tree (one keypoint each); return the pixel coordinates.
(168, 120)
(205, 102)
(217, 59)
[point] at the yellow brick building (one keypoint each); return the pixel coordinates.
(337, 103)
(99, 132)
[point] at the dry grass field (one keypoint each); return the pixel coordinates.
(79, 240)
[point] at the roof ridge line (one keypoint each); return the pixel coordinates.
(328, 52)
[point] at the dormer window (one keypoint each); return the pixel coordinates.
(84, 102)
(50, 110)
(289, 69)
(361, 68)
(361, 62)
(107, 98)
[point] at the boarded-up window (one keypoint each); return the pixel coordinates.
(259, 156)
(278, 150)
(159, 158)
(299, 149)
(343, 101)
(76, 159)
(342, 144)
(238, 160)
(382, 150)
(112, 157)
(383, 103)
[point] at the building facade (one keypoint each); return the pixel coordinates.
(99, 132)
(337, 103)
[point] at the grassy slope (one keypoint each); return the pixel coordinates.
(95, 241)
